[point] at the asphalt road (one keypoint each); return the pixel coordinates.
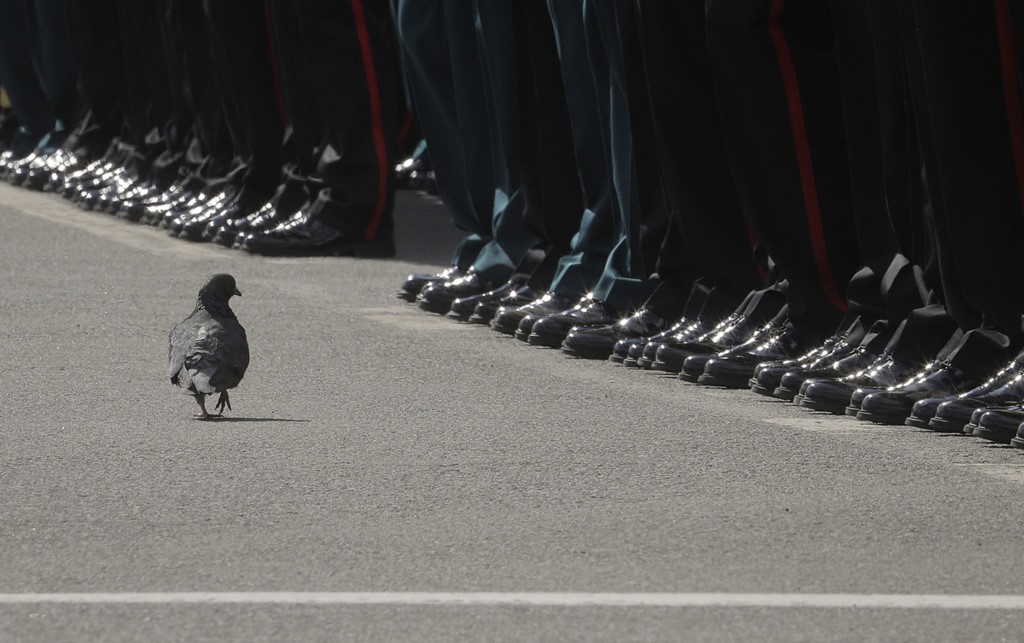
(374, 448)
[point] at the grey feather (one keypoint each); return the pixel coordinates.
(208, 351)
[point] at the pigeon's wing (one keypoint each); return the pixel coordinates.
(179, 344)
(217, 354)
(203, 359)
(233, 355)
(208, 354)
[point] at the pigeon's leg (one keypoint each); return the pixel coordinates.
(204, 414)
(223, 401)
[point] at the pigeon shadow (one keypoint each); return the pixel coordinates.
(245, 419)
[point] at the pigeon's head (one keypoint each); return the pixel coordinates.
(216, 292)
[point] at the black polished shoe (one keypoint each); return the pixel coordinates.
(976, 417)
(133, 206)
(266, 218)
(308, 236)
(151, 210)
(65, 182)
(124, 186)
(52, 178)
(1018, 441)
(174, 214)
(426, 181)
(463, 307)
(176, 226)
(833, 366)
(507, 319)
(195, 229)
(7, 159)
(415, 282)
(834, 395)
(155, 214)
(672, 351)
(950, 415)
(628, 351)
(84, 176)
(695, 365)
(34, 171)
(742, 328)
(1000, 425)
(225, 227)
(646, 354)
(486, 310)
(14, 170)
(894, 405)
(56, 166)
(600, 342)
(534, 311)
(438, 297)
(552, 330)
(767, 376)
(93, 193)
(735, 369)
(410, 172)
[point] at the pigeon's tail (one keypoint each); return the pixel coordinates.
(201, 381)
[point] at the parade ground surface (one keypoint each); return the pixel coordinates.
(390, 474)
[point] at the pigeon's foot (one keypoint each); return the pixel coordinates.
(206, 415)
(222, 402)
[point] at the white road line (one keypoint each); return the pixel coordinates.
(544, 599)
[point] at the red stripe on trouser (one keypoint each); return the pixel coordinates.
(803, 157)
(1011, 90)
(376, 119)
(753, 240)
(278, 94)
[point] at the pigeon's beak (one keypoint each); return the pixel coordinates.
(238, 292)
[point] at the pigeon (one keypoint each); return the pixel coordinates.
(208, 349)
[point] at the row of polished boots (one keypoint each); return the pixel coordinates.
(873, 372)
(190, 208)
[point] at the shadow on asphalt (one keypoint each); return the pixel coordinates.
(424, 232)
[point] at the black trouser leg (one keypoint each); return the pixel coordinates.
(775, 71)
(145, 83)
(708, 216)
(100, 75)
(352, 51)
(19, 77)
(972, 86)
(240, 44)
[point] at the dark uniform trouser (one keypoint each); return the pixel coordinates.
(99, 76)
(240, 45)
(946, 49)
(352, 59)
(708, 226)
(463, 85)
(303, 132)
(210, 153)
(884, 165)
(617, 68)
(145, 85)
(775, 70)
(971, 85)
(552, 197)
(37, 65)
(665, 262)
(177, 131)
(608, 242)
